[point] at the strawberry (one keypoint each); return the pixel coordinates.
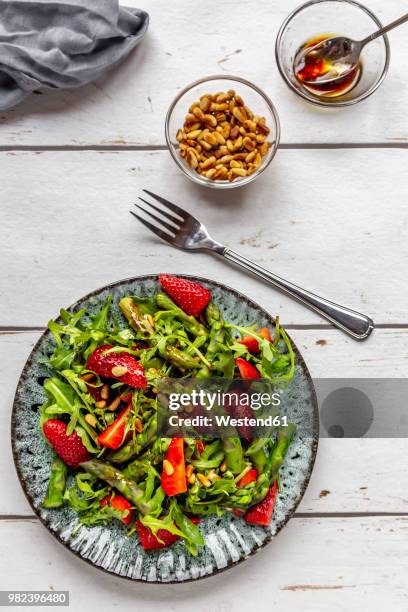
(113, 436)
(121, 366)
(95, 392)
(239, 409)
(175, 482)
(150, 541)
(200, 446)
(249, 477)
(191, 297)
(252, 343)
(246, 369)
(69, 448)
(119, 503)
(261, 513)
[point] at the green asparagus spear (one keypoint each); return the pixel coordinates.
(277, 458)
(217, 334)
(118, 480)
(257, 454)
(180, 358)
(192, 325)
(133, 448)
(135, 318)
(56, 486)
(233, 454)
(274, 462)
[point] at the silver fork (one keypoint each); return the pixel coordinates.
(184, 231)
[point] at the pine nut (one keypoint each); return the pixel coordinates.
(248, 143)
(105, 392)
(238, 172)
(88, 376)
(168, 468)
(194, 134)
(197, 112)
(189, 470)
(115, 404)
(210, 138)
(192, 159)
(238, 114)
(138, 425)
(250, 157)
(234, 132)
(211, 173)
(204, 480)
(208, 163)
(223, 467)
(119, 370)
(211, 120)
(238, 143)
(91, 419)
(205, 103)
(263, 149)
(100, 404)
(191, 479)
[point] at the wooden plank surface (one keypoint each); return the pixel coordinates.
(329, 214)
(184, 43)
(314, 565)
(350, 475)
(66, 229)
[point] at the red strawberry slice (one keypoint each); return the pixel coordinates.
(95, 392)
(190, 296)
(150, 541)
(249, 477)
(113, 436)
(252, 343)
(246, 369)
(121, 366)
(261, 513)
(69, 448)
(200, 445)
(120, 503)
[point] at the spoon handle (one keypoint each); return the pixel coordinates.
(385, 29)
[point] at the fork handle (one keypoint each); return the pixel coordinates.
(357, 325)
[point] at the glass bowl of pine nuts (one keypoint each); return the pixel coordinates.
(222, 131)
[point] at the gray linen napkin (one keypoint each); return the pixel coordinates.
(62, 43)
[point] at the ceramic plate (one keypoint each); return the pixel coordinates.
(229, 540)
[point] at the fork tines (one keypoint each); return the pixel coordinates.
(168, 210)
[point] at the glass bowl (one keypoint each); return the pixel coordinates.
(254, 98)
(344, 17)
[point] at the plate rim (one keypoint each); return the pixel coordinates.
(315, 429)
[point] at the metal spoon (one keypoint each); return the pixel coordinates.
(341, 53)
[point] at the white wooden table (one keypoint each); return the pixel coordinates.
(330, 213)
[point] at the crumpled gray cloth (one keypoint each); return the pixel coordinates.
(62, 43)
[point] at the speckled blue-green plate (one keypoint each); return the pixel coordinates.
(229, 540)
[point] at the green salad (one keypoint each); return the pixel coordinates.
(100, 416)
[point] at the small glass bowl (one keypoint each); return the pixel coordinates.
(344, 17)
(254, 98)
